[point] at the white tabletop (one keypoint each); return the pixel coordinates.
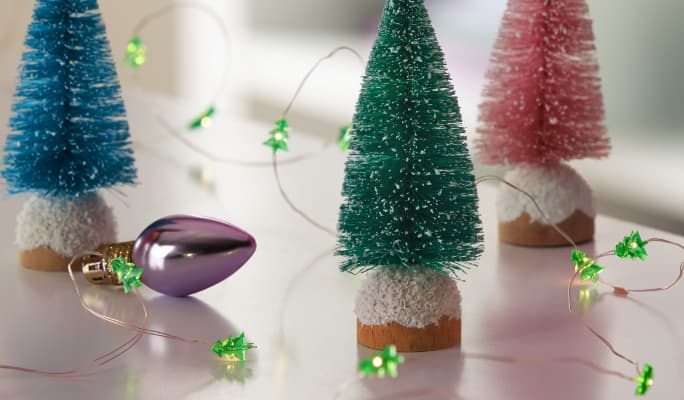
(514, 303)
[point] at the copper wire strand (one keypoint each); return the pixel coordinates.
(89, 366)
(584, 322)
(220, 88)
(547, 360)
(139, 329)
(593, 331)
(293, 206)
(209, 12)
(485, 178)
(674, 283)
(275, 162)
(233, 161)
(247, 163)
(314, 68)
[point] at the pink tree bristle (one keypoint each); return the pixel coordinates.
(542, 102)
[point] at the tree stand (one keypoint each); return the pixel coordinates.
(51, 230)
(562, 194)
(415, 311)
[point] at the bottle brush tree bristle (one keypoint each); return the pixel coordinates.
(409, 194)
(69, 133)
(542, 102)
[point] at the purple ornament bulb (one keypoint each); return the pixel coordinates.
(181, 254)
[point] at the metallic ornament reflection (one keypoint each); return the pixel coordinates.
(180, 255)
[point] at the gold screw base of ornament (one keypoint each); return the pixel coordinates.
(524, 232)
(444, 334)
(99, 270)
(43, 259)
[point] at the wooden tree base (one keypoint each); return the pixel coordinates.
(446, 333)
(523, 232)
(45, 259)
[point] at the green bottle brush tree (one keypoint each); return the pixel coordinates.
(410, 211)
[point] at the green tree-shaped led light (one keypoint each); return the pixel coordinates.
(127, 274)
(135, 53)
(632, 246)
(586, 266)
(232, 348)
(644, 381)
(204, 120)
(279, 136)
(382, 363)
(344, 138)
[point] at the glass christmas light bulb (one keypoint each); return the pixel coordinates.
(178, 255)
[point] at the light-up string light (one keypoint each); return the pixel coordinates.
(136, 54)
(633, 247)
(277, 138)
(280, 135)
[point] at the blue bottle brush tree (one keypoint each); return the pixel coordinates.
(410, 210)
(69, 134)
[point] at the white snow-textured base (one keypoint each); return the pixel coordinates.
(412, 299)
(558, 189)
(67, 226)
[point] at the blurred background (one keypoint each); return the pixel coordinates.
(273, 43)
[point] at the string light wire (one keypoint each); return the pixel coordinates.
(90, 366)
(218, 21)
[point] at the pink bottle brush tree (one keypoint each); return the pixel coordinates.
(542, 106)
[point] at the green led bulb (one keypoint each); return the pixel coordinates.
(232, 348)
(135, 53)
(279, 136)
(382, 363)
(632, 247)
(586, 266)
(344, 138)
(127, 274)
(591, 272)
(579, 258)
(204, 120)
(644, 381)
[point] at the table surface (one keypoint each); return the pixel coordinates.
(293, 303)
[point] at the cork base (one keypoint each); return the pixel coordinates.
(523, 232)
(446, 333)
(43, 258)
